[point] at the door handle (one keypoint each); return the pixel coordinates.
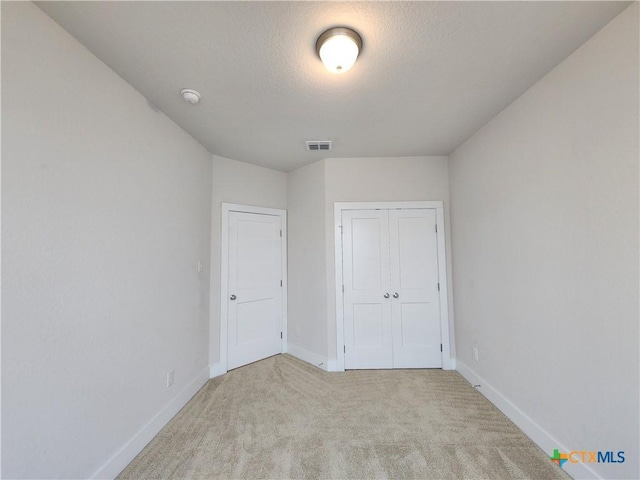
(395, 295)
(232, 297)
(386, 295)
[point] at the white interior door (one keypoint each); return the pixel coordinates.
(254, 301)
(414, 284)
(367, 313)
(391, 297)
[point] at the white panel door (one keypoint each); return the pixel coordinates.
(367, 305)
(391, 297)
(255, 291)
(414, 284)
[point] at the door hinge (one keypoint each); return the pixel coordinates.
(281, 337)
(436, 228)
(280, 232)
(440, 347)
(344, 348)
(438, 287)
(280, 282)
(342, 288)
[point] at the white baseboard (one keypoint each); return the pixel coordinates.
(332, 365)
(450, 365)
(134, 446)
(309, 357)
(215, 370)
(535, 432)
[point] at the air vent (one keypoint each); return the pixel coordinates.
(315, 145)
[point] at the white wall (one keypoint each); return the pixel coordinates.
(379, 179)
(545, 239)
(236, 182)
(307, 312)
(105, 213)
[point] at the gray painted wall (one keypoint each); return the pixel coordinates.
(307, 320)
(106, 210)
(545, 249)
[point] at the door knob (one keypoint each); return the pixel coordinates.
(386, 295)
(232, 297)
(395, 295)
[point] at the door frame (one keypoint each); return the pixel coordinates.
(438, 206)
(224, 272)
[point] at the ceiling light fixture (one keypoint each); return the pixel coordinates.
(190, 96)
(338, 48)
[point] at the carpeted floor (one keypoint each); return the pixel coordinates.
(282, 418)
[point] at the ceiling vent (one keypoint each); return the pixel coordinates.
(316, 145)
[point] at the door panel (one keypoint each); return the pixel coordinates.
(367, 314)
(255, 292)
(368, 325)
(256, 254)
(256, 320)
(413, 330)
(367, 254)
(414, 278)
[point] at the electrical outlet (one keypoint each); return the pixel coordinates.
(199, 266)
(475, 353)
(170, 376)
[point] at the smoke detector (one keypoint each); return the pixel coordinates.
(316, 145)
(190, 96)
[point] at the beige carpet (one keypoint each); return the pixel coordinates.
(282, 418)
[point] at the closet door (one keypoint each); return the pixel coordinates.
(366, 277)
(414, 288)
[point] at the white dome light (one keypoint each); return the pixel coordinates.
(338, 48)
(190, 96)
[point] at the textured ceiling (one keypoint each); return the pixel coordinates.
(430, 73)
